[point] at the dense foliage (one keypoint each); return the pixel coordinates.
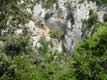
(100, 2)
(88, 61)
(56, 32)
(90, 57)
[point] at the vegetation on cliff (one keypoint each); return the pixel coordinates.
(100, 2)
(19, 61)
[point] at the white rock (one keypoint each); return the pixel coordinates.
(18, 31)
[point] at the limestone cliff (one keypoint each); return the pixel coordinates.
(70, 15)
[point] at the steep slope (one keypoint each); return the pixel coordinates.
(74, 20)
(74, 17)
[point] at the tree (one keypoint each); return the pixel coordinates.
(90, 58)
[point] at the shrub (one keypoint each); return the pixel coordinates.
(100, 2)
(49, 3)
(89, 59)
(15, 45)
(92, 19)
(105, 17)
(44, 48)
(47, 16)
(56, 32)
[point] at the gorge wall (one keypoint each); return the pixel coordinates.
(72, 16)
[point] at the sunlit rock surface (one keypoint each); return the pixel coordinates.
(67, 14)
(77, 13)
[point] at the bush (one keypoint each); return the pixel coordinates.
(100, 2)
(92, 19)
(15, 45)
(89, 59)
(49, 3)
(56, 32)
(87, 62)
(105, 17)
(47, 16)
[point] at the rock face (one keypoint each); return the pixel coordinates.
(70, 15)
(77, 13)
(67, 14)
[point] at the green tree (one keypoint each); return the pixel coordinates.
(89, 59)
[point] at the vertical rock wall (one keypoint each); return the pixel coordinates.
(69, 15)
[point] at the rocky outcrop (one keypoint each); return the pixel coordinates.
(77, 13)
(72, 16)
(69, 15)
